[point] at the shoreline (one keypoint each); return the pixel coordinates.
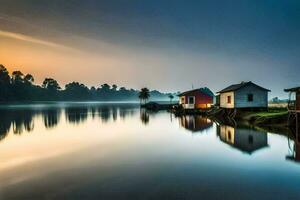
(275, 119)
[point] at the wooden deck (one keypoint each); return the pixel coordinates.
(293, 111)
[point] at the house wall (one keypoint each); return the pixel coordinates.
(182, 100)
(260, 97)
(223, 100)
(202, 100)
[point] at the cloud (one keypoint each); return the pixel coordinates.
(30, 39)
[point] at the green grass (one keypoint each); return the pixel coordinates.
(271, 117)
(268, 114)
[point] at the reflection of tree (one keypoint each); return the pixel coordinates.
(5, 124)
(104, 113)
(51, 117)
(124, 113)
(144, 116)
(127, 110)
(76, 114)
(20, 120)
(93, 111)
(114, 113)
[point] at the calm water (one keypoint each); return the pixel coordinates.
(117, 151)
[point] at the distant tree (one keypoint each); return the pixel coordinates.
(114, 87)
(144, 95)
(17, 77)
(171, 97)
(28, 79)
(51, 84)
(4, 84)
(4, 75)
(122, 89)
(93, 93)
(93, 89)
(105, 87)
(20, 87)
(76, 91)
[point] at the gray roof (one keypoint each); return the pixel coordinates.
(235, 87)
(204, 90)
(295, 89)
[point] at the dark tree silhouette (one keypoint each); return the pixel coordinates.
(51, 84)
(171, 97)
(17, 77)
(144, 95)
(4, 84)
(4, 75)
(76, 91)
(20, 87)
(29, 79)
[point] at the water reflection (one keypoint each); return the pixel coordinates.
(51, 117)
(294, 145)
(76, 115)
(135, 150)
(195, 123)
(144, 116)
(245, 140)
(21, 119)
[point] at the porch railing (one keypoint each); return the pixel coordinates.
(292, 105)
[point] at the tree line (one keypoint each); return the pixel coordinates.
(18, 86)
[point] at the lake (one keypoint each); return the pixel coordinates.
(117, 151)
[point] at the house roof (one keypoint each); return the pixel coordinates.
(204, 90)
(235, 87)
(295, 89)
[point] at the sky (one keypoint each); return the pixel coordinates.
(166, 45)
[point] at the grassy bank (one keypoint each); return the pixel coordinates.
(272, 117)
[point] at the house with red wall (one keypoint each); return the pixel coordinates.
(201, 98)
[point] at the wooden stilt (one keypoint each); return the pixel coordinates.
(297, 123)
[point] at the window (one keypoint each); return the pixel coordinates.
(250, 97)
(250, 139)
(229, 135)
(229, 99)
(191, 100)
(182, 100)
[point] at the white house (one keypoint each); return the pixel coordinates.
(244, 95)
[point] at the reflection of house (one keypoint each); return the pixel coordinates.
(295, 148)
(295, 156)
(195, 123)
(243, 95)
(246, 140)
(201, 98)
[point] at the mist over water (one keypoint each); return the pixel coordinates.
(118, 151)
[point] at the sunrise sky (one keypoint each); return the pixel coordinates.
(164, 45)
